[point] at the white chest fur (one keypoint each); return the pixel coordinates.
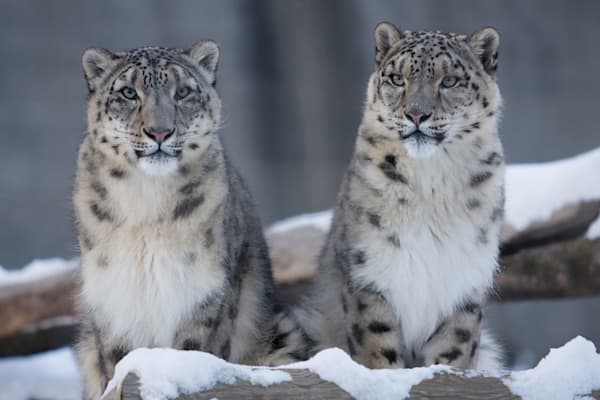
(426, 279)
(147, 285)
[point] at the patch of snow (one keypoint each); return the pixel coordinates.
(50, 375)
(565, 373)
(594, 230)
(335, 366)
(165, 373)
(320, 220)
(535, 191)
(37, 269)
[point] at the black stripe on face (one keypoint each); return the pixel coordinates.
(187, 206)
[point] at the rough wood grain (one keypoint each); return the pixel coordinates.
(307, 385)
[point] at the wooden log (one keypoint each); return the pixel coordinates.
(29, 303)
(41, 337)
(307, 385)
(563, 269)
(569, 222)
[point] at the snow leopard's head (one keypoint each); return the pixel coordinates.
(151, 106)
(431, 89)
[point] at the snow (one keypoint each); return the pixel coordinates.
(565, 373)
(335, 366)
(320, 220)
(50, 375)
(36, 270)
(164, 373)
(533, 193)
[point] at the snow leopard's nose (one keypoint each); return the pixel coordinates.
(417, 118)
(159, 135)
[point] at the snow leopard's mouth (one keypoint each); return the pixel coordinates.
(156, 155)
(421, 136)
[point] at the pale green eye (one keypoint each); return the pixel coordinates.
(129, 93)
(449, 81)
(182, 92)
(397, 79)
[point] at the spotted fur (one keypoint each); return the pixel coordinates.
(172, 251)
(413, 247)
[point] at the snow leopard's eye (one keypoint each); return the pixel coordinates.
(397, 79)
(129, 93)
(449, 82)
(182, 92)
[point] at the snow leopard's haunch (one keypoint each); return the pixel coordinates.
(412, 250)
(172, 252)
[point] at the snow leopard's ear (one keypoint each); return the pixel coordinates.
(97, 63)
(206, 55)
(386, 36)
(485, 45)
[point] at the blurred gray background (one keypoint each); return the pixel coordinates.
(292, 77)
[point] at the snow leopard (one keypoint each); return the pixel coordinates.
(412, 251)
(172, 250)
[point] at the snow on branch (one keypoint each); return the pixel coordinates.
(568, 372)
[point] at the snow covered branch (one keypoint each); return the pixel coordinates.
(569, 372)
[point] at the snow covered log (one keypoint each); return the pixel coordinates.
(308, 385)
(569, 372)
(43, 290)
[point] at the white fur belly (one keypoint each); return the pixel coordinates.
(426, 278)
(147, 288)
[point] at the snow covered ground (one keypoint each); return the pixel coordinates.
(50, 375)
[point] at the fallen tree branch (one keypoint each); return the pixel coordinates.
(568, 223)
(40, 338)
(29, 303)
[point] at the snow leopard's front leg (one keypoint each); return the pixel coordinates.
(374, 334)
(98, 356)
(207, 329)
(455, 341)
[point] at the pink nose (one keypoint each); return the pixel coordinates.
(417, 118)
(158, 135)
